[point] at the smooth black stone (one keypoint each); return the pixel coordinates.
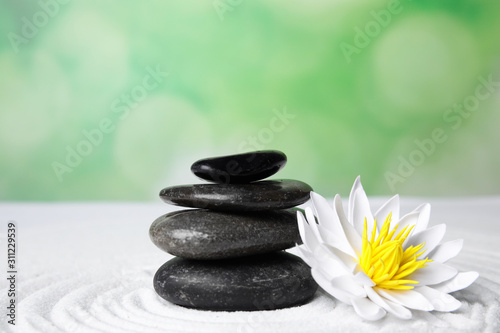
(263, 195)
(205, 234)
(240, 168)
(264, 282)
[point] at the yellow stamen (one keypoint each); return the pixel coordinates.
(374, 231)
(384, 260)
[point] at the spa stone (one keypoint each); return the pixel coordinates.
(257, 196)
(263, 282)
(205, 234)
(240, 168)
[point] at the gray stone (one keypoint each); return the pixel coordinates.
(263, 195)
(205, 234)
(264, 282)
(240, 168)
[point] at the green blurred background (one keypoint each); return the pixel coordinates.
(113, 100)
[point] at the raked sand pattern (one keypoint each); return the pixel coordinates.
(88, 268)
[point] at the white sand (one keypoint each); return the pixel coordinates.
(89, 268)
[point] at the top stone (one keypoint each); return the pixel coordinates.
(240, 168)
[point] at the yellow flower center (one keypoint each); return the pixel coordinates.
(384, 260)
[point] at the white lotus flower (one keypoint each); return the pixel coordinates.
(380, 263)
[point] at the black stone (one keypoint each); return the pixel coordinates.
(265, 282)
(240, 168)
(205, 234)
(263, 195)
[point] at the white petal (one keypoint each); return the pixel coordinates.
(347, 283)
(446, 251)
(441, 301)
(324, 283)
(330, 268)
(424, 214)
(419, 218)
(326, 215)
(396, 309)
(391, 206)
(330, 227)
(361, 211)
(352, 236)
(337, 241)
(311, 219)
(357, 185)
(329, 264)
(407, 221)
(306, 234)
(407, 298)
(322, 259)
(349, 262)
(460, 281)
(363, 279)
(367, 309)
(431, 237)
(435, 272)
(306, 255)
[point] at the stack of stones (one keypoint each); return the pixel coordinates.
(230, 248)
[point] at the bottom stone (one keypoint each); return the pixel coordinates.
(264, 282)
